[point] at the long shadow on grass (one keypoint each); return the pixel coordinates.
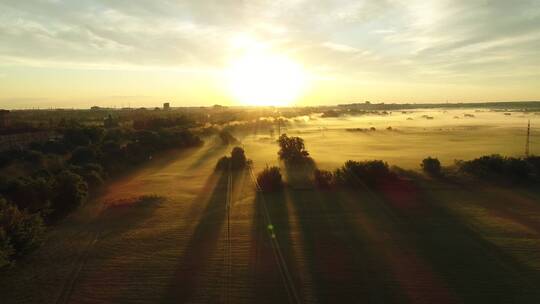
(159, 161)
(475, 269)
(124, 215)
(268, 285)
(342, 264)
(201, 246)
(215, 148)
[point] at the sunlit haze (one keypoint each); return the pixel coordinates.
(190, 53)
(265, 79)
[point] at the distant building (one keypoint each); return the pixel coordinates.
(167, 106)
(4, 118)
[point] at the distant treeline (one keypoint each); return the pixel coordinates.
(44, 182)
(518, 105)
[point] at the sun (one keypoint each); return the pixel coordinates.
(265, 79)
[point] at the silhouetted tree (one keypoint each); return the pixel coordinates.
(497, 167)
(236, 161)
(323, 179)
(238, 158)
(369, 173)
(270, 179)
(292, 149)
(431, 166)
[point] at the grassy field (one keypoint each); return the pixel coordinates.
(409, 141)
(159, 235)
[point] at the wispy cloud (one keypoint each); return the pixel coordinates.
(450, 40)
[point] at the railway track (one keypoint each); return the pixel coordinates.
(228, 244)
(285, 274)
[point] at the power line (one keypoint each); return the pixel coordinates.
(286, 276)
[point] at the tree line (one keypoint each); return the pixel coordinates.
(43, 183)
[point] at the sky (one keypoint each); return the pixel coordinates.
(56, 53)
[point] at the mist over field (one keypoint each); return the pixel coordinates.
(403, 139)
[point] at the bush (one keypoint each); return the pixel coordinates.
(432, 166)
(292, 149)
(93, 174)
(83, 155)
(238, 158)
(71, 191)
(236, 161)
(30, 194)
(496, 167)
(323, 179)
(6, 250)
(370, 173)
(270, 179)
(82, 136)
(20, 232)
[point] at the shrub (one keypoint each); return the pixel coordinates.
(30, 194)
(6, 250)
(432, 166)
(270, 179)
(82, 136)
(83, 155)
(93, 178)
(238, 158)
(71, 191)
(323, 179)
(292, 149)
(20, 232)
(369, 173)
(496, 167)
(236, 161)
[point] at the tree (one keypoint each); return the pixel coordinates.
(6, 250)
(71, 191)
(236, 161)
(497, 167)
(238, 158)
(83, 155)
(371, 173)
(323, 179)
(292, 149)
(432, 166)
(20, 231)
(30, 194)
(270, 179)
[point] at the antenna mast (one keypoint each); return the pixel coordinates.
(527, 143)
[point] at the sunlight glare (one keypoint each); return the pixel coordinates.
(261, 78)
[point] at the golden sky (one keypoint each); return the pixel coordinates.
(56, 53)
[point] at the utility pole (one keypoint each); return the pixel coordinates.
(527, 143)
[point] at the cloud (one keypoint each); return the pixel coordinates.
(422, 41)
